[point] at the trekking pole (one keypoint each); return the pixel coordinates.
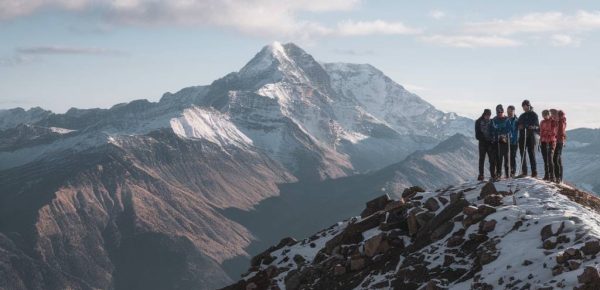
(509, 159)
(523, 152)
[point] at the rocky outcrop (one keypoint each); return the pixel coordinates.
(448, 239)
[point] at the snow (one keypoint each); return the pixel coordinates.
(61, 130)
(202, 123)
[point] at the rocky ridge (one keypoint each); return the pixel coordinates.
(521, 234)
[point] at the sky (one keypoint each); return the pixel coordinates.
(461, 56)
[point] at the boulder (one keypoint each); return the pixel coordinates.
(372, 245)
(455, 196)
(375, 205)
(591, 247)
(485, 210)
(493, 199)
(411, 191)
(357, 263)
(487, 226)
(590, 275)
(574, 265)
(470, 210)
(432, 204)
(339, 270)
(488, 189)
(424, 217)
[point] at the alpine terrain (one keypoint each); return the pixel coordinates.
(514, 234)
(150, 195)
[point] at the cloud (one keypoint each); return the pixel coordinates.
(15, 60)
(470, 41)
(565, 40)
(263, 18)
(352, 28)
(437, 14)
(538, 22)
(49, 50)
(353, 51)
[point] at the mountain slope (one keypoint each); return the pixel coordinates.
(528, 234)
(305, 207)
(109, 216)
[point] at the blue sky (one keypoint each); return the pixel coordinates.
(461, 56)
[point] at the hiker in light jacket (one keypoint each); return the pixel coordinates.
(514, 139)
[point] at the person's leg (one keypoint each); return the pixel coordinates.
(531, 144)
(498, 160)
(545, 157)
(558, 162)
(523, 160)
(513, 159)
(482, 153)
(505, 149)
(492, 160)
(550, 161)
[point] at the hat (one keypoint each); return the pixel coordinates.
(499, 109)
(487, 112)
(526, 103)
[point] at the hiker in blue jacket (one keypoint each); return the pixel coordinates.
(514, 139)
(501, 132)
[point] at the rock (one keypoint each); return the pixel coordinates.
(431, 204)
(433, 285)
(448, 260)
(454, 241)
(493, 200)
(488, 189)
(251, 286)
(357, 263)
(470, 210)
(442, 230)
(339, 270)
(286, 242)
(455, 196)
(591, 247)
(299, 259)
(590, 275)
(527, 263)
(573, 253)
(574, 265)
(372, 245)
(546, 232)
(443, 200)
(485, 210)
(487, 226)
(375, 205)
(413, 225)
(424, 217)
(393, 205)
(557, 270)
(411, 191)
(549, 244)
(561, 258)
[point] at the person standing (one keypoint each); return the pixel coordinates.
(501, 137)
(514, 139)
(548, 130)
(561, 138)
(529, 127)
(482, 133)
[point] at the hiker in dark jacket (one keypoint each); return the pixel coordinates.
(483, 135)
(500, 130)
(529, 127)
(514, 139)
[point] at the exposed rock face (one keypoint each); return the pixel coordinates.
(463, 244)
(132, 214)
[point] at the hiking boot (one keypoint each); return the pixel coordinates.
(480, 178)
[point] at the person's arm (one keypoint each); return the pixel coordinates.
(478, 134)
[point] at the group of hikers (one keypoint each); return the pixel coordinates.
(500, 136)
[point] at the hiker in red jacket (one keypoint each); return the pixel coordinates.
(561, 138)
(548, 130)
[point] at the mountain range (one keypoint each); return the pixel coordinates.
(179, 193)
